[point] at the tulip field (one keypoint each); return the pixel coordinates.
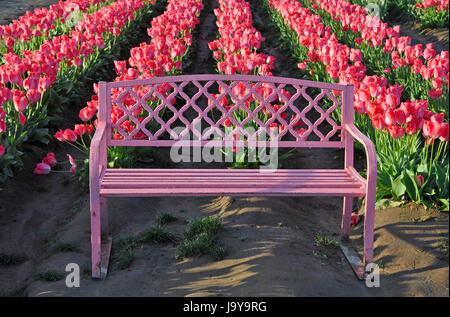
(401, 89)
(52, 58)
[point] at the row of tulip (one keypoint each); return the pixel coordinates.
(392, 124)
(171, 34)
(30, 30)
(422, 72)
(431, 13)
(439, 4)
(236, 49)
(27, 82)
(236, 52)
(428, 13)
(333, 61)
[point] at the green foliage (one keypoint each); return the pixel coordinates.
(398, 170)
(49, 276)
(124, 255)
(200, 239)
(430, 18)
(165, 218)
(406, 9)
(199, 226)
(11, 259)
(322, 240)
(65, 247)
(156, 234)
(71, 90)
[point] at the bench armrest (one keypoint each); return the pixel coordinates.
(98, 151)
(371, 154)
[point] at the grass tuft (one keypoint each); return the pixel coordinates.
(157, 234)
(49, 276)
(125, 254)
(201, 239)
(205, 225)
(65, 247)
(320, 239)
(11, 259)
(165, 218)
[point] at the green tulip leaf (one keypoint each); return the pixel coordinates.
(408, 179)
(398, 188)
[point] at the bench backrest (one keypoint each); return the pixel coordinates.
(145, 112)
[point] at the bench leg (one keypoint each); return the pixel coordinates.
(369, 223)
(104, 217)
(346, 218)
(95, 236)
(106, 239)
(101, 241)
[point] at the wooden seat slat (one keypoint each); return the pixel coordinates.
(242, 191)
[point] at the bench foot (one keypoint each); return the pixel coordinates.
(106, 252)
(100, 264)
(354, 260)
(346, 217)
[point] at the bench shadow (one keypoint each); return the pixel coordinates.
(274, 258)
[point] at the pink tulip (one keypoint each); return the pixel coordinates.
(419, 180)
(22, 118)
(60, 135)
(73, 164)
(400, 116)
(20, 103)
(389, 117)
(2, 150)
(120, 66)
(70, 135)
(50, 160)
(378, 122)
(395, 131)
(87, 113)
(354, 219)
(435, 93)
(411, 128)
(42, 169)
(80, 129)
(2, 126)
(392, 100)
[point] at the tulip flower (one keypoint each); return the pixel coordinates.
(354, 219)
(73, 164)
(80, 129)
(411, 128)
(396, 131)
(87, 113)
(20, 103)
(60, 135)
(2, 126)
(70, 135)
(50, 160)
(42, 169)
(22, 118)
(2, 150)
(120, 66)
(419, 180)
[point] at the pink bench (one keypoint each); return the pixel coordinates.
(196, 95)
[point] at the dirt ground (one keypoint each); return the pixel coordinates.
(10, 10)
(269, 241)
(438, 36)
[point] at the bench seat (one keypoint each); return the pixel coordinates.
(231, 182)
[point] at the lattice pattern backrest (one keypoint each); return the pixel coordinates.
(162, 111)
